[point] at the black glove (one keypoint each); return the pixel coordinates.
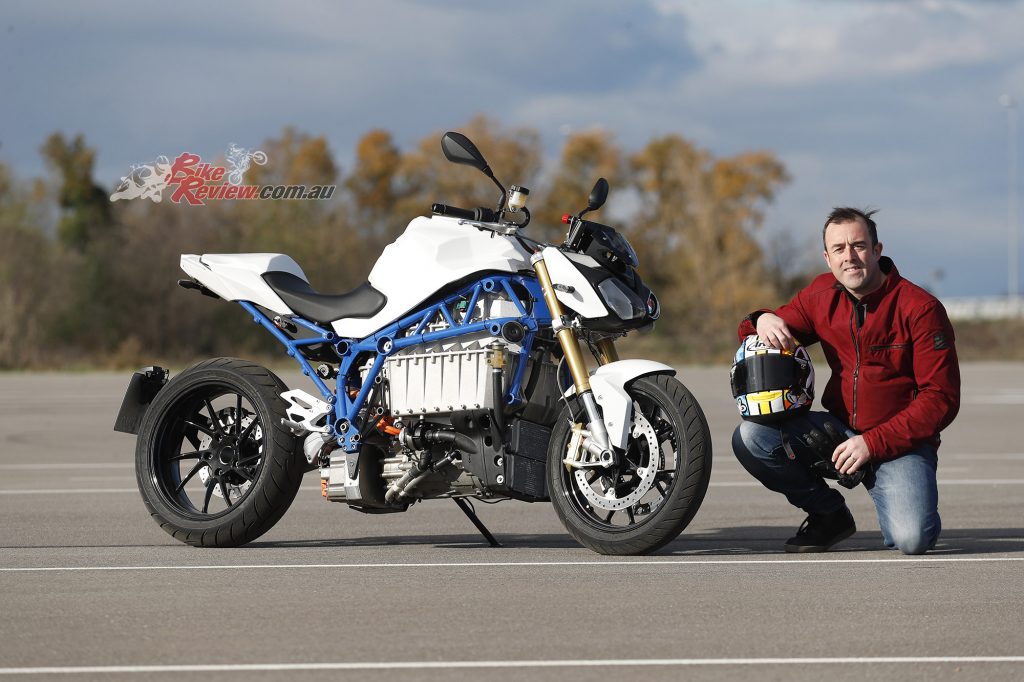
(814, 447)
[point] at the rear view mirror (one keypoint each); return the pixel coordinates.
(598, 195)
(459, 149)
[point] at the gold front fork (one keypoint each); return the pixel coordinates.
(594, 443)
(566, 337)
(606, 351)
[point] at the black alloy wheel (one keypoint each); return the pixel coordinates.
(214, 464)
(651, 495)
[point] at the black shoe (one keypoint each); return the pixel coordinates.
(819, 532)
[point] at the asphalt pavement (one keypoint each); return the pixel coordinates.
(91, 588)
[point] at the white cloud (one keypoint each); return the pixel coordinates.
(795, 44)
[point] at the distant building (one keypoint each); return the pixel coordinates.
(984, 308)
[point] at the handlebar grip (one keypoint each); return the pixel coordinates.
(453, 211)
(479, 214)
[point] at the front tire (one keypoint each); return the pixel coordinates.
(647, 510)
(214, 464)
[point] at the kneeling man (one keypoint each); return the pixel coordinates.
(895, 385)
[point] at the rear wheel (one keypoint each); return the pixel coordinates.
(651, 495)
(214, 464)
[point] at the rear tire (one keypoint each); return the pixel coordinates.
(662, 507)
(214, 464)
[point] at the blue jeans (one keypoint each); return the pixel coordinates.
(903, 489)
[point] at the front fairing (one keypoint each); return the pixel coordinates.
(605, 300)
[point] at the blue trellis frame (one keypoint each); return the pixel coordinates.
(409, 331)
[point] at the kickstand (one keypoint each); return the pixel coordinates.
(467, 509)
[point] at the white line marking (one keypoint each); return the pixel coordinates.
(511, 564)
(70, 491)
(983, 481)
(714, 484)
(108, 478)
(442, 665)
(39, 466)
(97, 491)
(996, 400)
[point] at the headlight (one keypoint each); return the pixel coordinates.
(621, 300)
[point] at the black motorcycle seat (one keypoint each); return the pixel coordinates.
(363, 301)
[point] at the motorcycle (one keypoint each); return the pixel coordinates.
(456, 371)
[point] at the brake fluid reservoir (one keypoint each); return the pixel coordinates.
(517, 197)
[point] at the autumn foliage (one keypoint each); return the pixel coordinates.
(86, 282)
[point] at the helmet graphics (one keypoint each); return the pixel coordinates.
(770, 384)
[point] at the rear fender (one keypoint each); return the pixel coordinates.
(609, 382)
(142, 388)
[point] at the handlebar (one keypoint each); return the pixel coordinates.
(479, 214)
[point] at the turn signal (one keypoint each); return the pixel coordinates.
(566, 218)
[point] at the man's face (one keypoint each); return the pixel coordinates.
(852, 258)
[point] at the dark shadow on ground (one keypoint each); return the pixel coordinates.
(453, 541)
(738, 541)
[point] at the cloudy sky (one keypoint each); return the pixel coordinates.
(893, 105)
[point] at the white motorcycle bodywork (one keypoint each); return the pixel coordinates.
(237, 276)
(575, 291)
(609, 385)
(431, 253)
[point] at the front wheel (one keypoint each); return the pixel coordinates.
(215, 466)
(649, 497)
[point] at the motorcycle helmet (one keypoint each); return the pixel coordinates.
(770, 384)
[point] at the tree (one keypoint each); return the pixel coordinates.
(586, 156)
(373, 182)
(425, 176)
(25, 277)
(85, 208)
(695, 229)
(294, 158)
(314, 232)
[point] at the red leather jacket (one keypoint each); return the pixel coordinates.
(895, 375)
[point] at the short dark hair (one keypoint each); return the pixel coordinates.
(845, 214)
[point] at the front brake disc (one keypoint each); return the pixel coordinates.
(646, 472)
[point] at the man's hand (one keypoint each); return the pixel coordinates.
(816, 449)
(772, 329)
(851, 455)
